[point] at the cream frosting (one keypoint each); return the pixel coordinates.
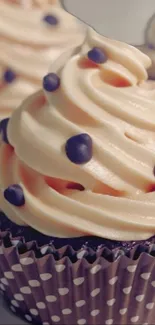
(29, 45)
(150, 52)
(113, 104)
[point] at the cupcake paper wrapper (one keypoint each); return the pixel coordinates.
(60, 286)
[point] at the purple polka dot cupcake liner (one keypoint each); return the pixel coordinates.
(46, 285)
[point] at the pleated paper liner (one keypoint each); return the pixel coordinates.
(61, 286)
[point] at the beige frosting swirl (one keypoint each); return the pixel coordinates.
(109, 102)
(29, 45)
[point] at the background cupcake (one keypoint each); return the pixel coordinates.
(149, 47)
(32, 35)
(77, 160)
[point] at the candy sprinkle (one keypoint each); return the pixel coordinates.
(51, 82)
(14, 195)
(51, 20)
(3, 129)
(97, 55)
(79, 148)
(9, 76)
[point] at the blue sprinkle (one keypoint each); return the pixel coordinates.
(9, 76)
(3, 129)
(97, 55)
(51, 20)
(14, 195)
(51, 82)
(151, 46)
(79, 148)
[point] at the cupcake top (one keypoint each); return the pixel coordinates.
(33, 33)
(78, 157)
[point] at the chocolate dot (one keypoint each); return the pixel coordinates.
(97, 55)
(51, 20)
(14, 195)
(3, 129)
(9, 76)
(79, 148)
(51, 82)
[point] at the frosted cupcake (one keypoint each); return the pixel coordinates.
(32, 35)
(77, 184)
(149, 47)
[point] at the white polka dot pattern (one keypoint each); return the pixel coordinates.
(60, 268)
(78, 281)
(127, 290)
(55, 318)
(95, 312)
(140, 298)
(54, 303)
(131, 268)
(26, 290)
(41, 305)
(134, 319)
(9, 275)
(111, 302)
(5, 281)
(81, 321)
(95, 292)
(80, 303)
(145, 276)
(34, 312)
(19, 297)
(109, 321)
(17, 268)
(51, 298)
(15, 303)
(66, 311)
(45, 276)
(113, 280)
(81, 254)
(123, 311)
(2, 287)
(63, 291)
(150, 305)
(29, 318)
(95, 269)
(34, 283)
(26, 261)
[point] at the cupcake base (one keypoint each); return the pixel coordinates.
(61, 285)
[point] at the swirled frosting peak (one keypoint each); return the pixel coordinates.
(83, 152)
(33, 33)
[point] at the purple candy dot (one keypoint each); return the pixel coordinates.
(97, 55)
(51, 20)
(79, 148)
(3, 129)
(151, 46)
(51, 82)
(9, 76)
(14, 195)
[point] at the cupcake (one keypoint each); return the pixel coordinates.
(149, 47)
(77, 191)
(33, 33)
